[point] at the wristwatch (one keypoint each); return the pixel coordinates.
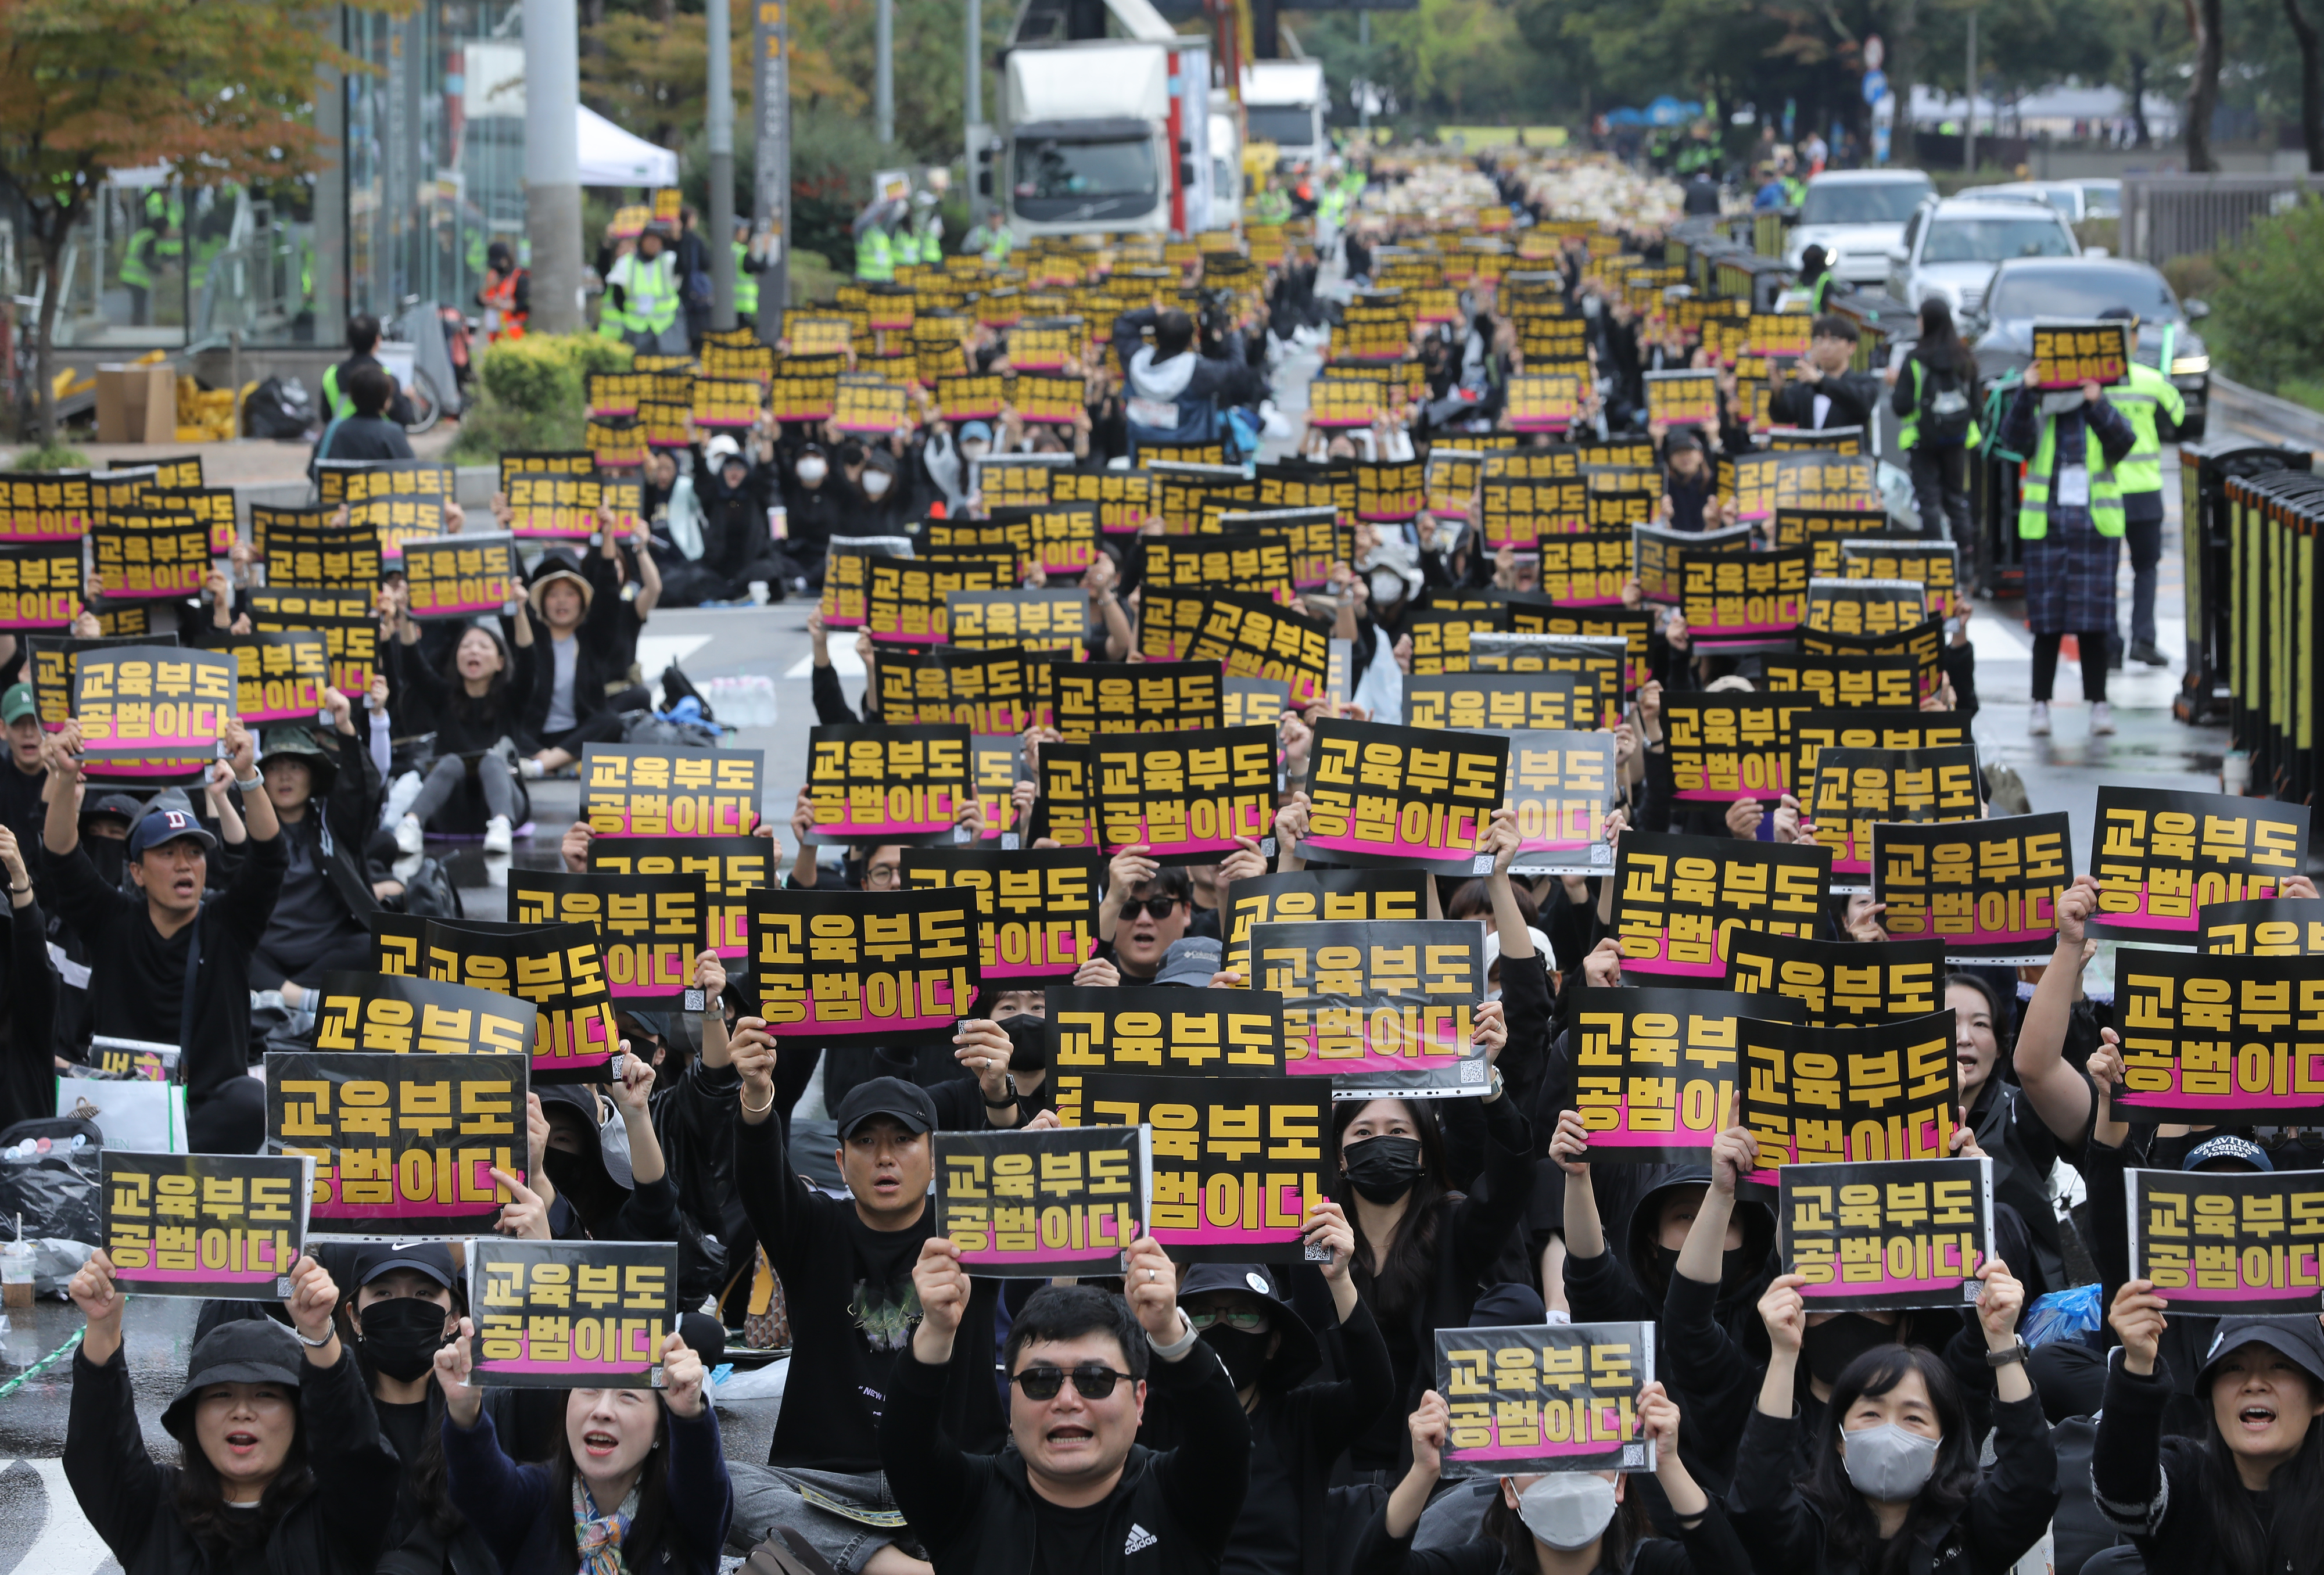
(2015, 1353)
(1009, 1078)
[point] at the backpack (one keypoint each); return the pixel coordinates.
(1945, 413)
(430, 894)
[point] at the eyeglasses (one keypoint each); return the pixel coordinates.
(881, 876)
(1092, 1380)
(1155, 908)
(1249, 1320)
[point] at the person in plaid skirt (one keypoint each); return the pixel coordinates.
(2070, 522)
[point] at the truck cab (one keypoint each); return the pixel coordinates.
(1283, 103)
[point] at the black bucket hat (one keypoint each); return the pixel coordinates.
(247, 1350)
(1298, 1355)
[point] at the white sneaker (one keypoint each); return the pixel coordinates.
(496, 834)
(2101, 719)
(531, 770)
(410, 839)
(2037, 720)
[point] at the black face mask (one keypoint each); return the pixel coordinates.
(401, 1335)
(1026, 1051)
(1734, 1265)
(1383, 1169)
(593, 1191)
(1831, 1345)
(1243, 1353)
(110, 855)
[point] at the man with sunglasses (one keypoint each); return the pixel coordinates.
(1146, 909)
(1078, 1494)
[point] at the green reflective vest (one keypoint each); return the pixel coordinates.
(908, 246)
(875, 256)
(746, 285)
(653, 293)
(137, 267)
(2033, 494)
(1908, 433)
(2141, 470)
(336, 399)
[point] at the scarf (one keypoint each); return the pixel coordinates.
(599, 1536)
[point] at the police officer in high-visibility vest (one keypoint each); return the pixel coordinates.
(875, 243)
(2070, 522)
(2144, 401)
(1816, 277)
(362, 338)
(157, 244)
(750, 262)
(642, 298)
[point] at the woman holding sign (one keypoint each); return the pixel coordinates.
(1897, 1456)
(282, 1463)
(638, 1483)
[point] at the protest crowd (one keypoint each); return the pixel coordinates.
(1458, 1001)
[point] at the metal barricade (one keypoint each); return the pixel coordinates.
(2272, 634)
(2176, 216)
(2205, 470)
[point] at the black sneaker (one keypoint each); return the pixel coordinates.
(2147, 651)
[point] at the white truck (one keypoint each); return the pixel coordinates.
(1283, 103)
(1106, 135)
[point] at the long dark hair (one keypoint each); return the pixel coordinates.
(1941, 341)
(2293, 1538)
(201, 1503)
(424, 1481)
(1404, 1277)
(642, 1543)
(1851, 1533)
(1623, 1534)
(493, 703)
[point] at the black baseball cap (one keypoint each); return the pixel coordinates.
(907, 1102)
(120, 805)
(2298, 1339)
(432, 1259)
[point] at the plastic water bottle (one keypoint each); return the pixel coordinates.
(764, 687)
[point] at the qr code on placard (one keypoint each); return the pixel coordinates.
(1971, 1289)
(1599, 853)
(283, 1287)
(1634, 1455)
(694, 1000)
(1482, 864)
(1473, 1072)
(1316, 1251)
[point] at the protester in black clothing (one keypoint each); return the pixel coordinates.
(362, 338)
(1298, 1428)
(28, 1083)
(814, 507)
(1146, 910)
(366, 435)
(1690, 481)
(166, 966)
(1157, 378)
(2023, 1149)
(846, 1272)
(25, 777)
(623, 575)
(736, 547)
(1823, 393)
(1898, 1457)
(1558, 1521)
(2243, 1497)
(474, 705)
(283, 1467)
(322, 917)
(1076, 1495)
(1936, 391)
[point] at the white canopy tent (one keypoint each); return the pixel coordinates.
(610, 156)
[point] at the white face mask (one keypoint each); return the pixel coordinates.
(875, 483)
(973, 451)
(1567, 1509)
(1387, 587)
(812, 471)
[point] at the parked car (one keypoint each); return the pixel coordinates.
(2082, 287)
(1857, 216)
(1951, 247)
(2095, 198)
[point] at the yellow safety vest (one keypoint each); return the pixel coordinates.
(746, 285)
(875, 260)
(2033, 494)
(2141, 470)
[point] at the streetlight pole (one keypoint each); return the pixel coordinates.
(883, 72)
(552, 169)
(720, 84)
(771, 100)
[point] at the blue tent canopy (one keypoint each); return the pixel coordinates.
(1668, 111)
(1625, 117)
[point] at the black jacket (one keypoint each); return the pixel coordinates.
(1712, 1548)
(976, 1512)
(28, 1088)
(349, 812)
(130, 1498)
(2005, 1515)
(2151, 1487)
(593, 666)
(463, 727)
(1852, 394)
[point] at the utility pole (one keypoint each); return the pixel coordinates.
(770, 103)
(1364, 53)
(883, 72)
(1969, 123)
(721, 164)
(972, 97)
(552, 169)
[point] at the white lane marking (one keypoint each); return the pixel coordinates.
(68, 1544)
(843, 662)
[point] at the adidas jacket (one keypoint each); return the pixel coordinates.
(1171, 1514)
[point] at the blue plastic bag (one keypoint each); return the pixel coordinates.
(2062, 1315)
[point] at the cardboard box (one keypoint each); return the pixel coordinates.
(137, 403)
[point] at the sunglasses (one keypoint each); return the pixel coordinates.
(1154, 908)
(1092, 1380)
(1249, 1320)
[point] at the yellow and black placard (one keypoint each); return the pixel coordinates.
(1342, 401)
(1188, 1035)
(2219, 1243)
(1440, 636)
(1779, 333)
(49, 667)
(1548, 399)
(1000, 691)
(213, 506)
(1658, 557)
(1403, 798)
(728, 868)
(1036, 621)
(1026, 1204)
(1887, 1233)
(726, 404)
(1045, 398)
(461, 577)
(497, 984)
(1237, 1161)
(345, 618)
(1294, 485)
(1684, 398)
(363, 480)
(2068, 354)
(1114, 697)
(1831, 682)
(403, 1146)
(1060, 537)
(567, 1315)
(281, 677)
(1726, 746)
(904, 599)
(1680, 898)
(1185, 802)
(1830, 1096)
(2271, 926)
(1923, 642)
(649, 927)
(868, 783)
(753, 362)
(971, 396)
(1935, 566)
(871, 967)
(45, 508)
(138, 553)
(1170, 621)
(224, 1226)
(1832, 439)
(1252, 637)
(1501, 702)
(1036, 907)
(1819, 480)
(1853, 789)
(554, 507)
(301, 547)
(1604, 662)
(2160, 855)
(609, 393)
(1016, 480)
(39, 586)
(1634, 632)
(1301, 895)
(809, 332)
(1392, 493)
(805, 387)
(1988, 891)
(1124, 498)
(139, 703)
(1840, 983)
(1316, 540)
(1866, 606)
(2215, 1039)
(867, 403)
(1253, 702)
(1380, 1006)
(847, 578)
(1556, 1397)
(1899, 727)
(616, 442)
(1561, 790)
(1454, 475)
(661, 790)
(398, 519)
(1586, 570)
(1187, 495)
(1655, 1069)
(1736, 600)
